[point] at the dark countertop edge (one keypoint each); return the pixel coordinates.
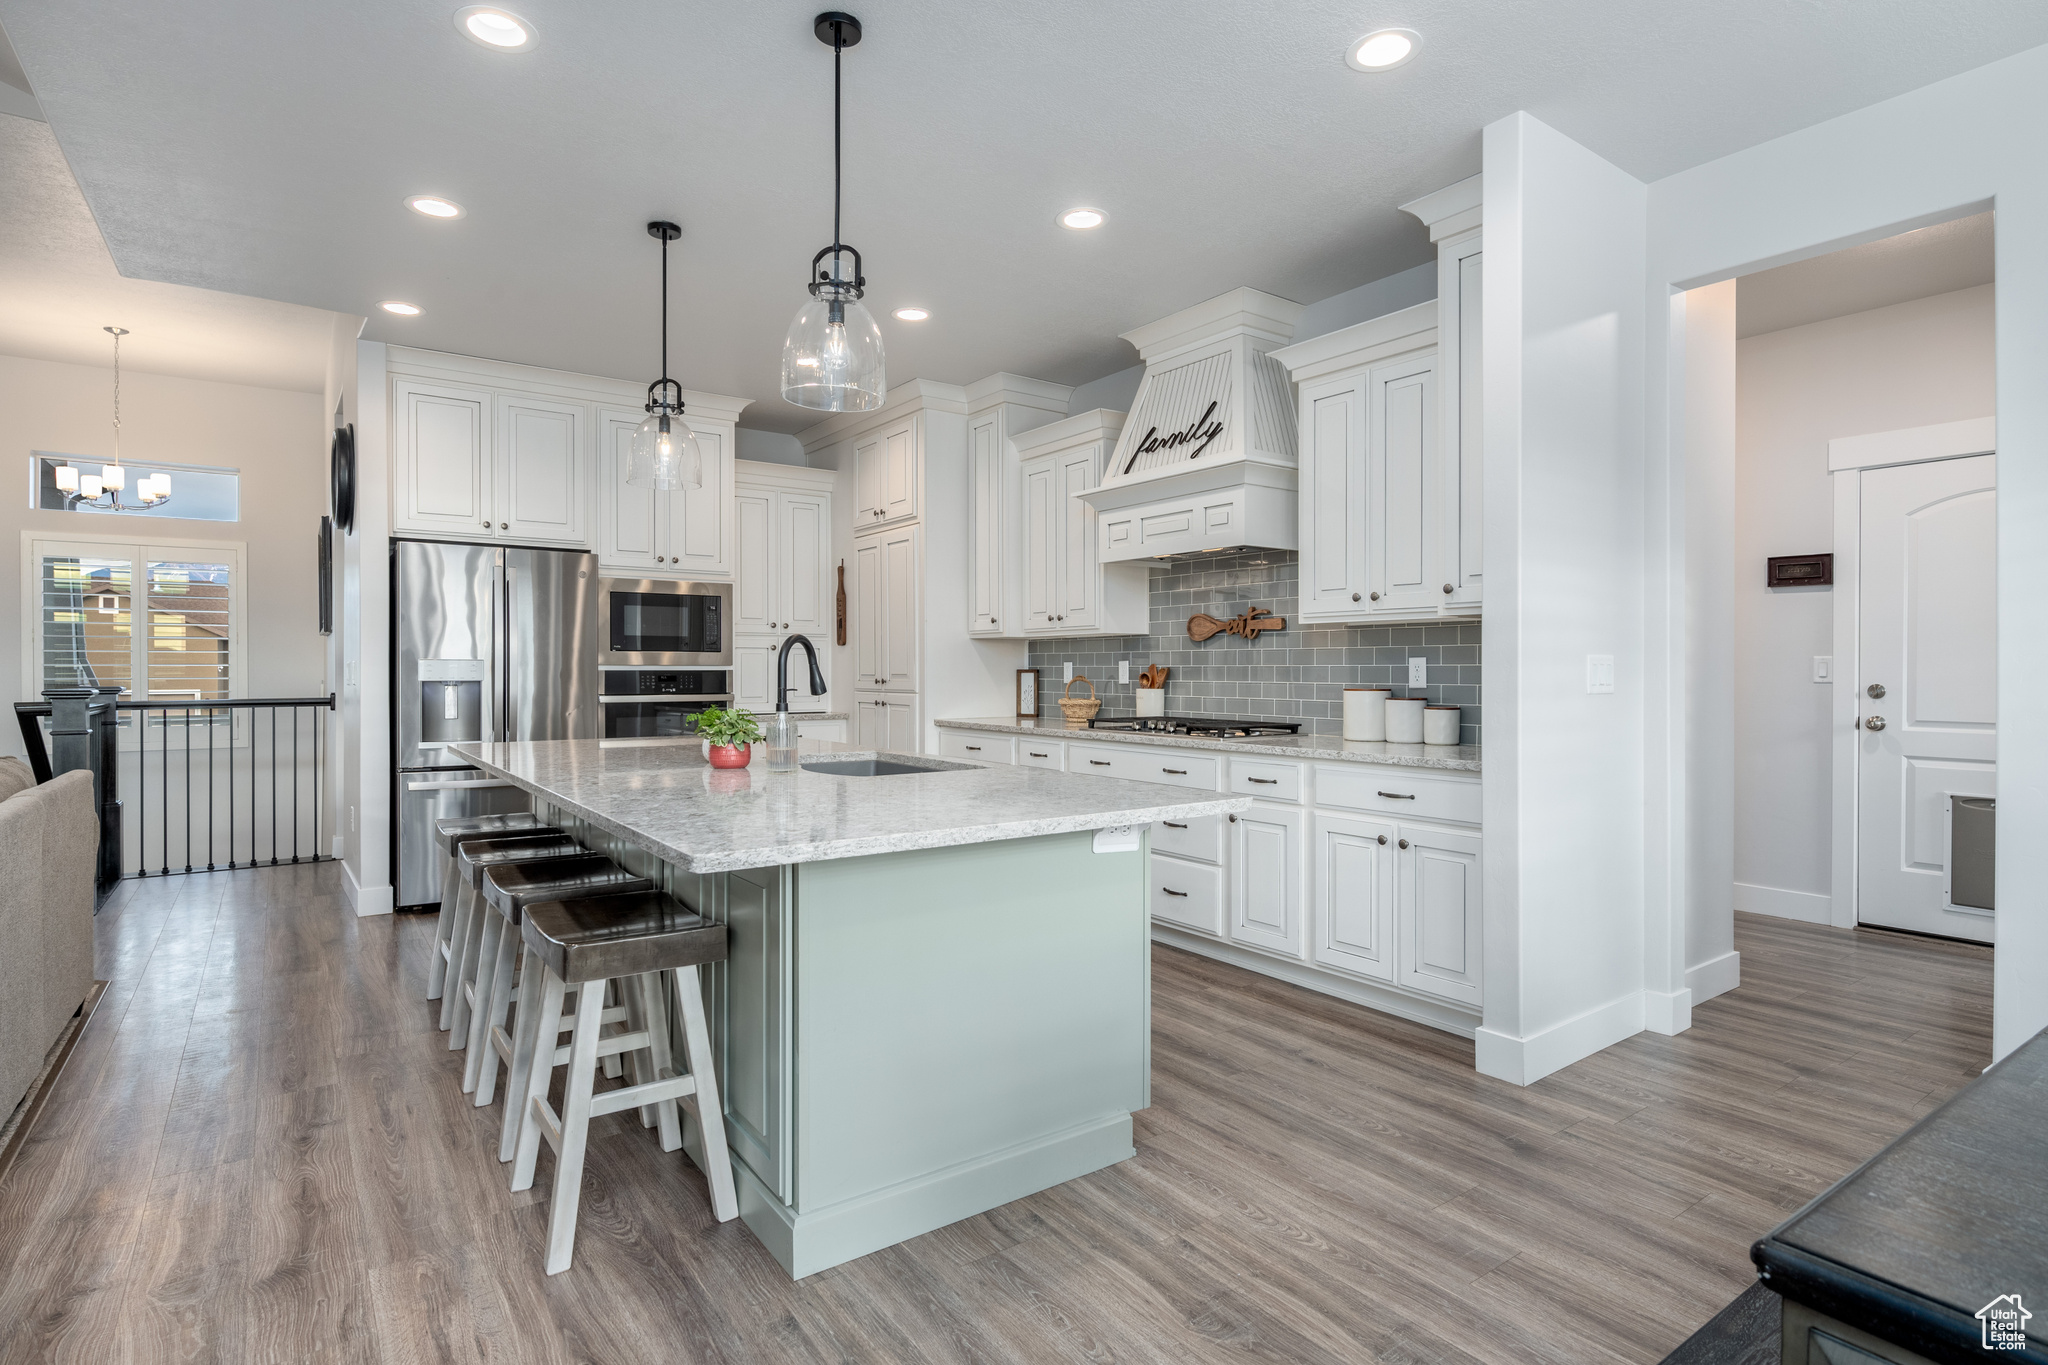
(1223, 802)
(1275, 746)
(1938, 1331)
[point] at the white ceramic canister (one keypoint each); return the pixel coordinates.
(1151, 701)
(1404, 720)
(1365, 712)
(1440, 724)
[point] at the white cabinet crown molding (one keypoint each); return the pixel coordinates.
(1241, 312)
(1097, 424)
(1450, 210)
(913, 395)
(1377, 338)
(561, 384)
(1003, 387)
(762, 474)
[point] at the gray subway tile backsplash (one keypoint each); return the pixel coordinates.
(1295, 674)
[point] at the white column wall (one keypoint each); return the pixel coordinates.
(1563, 324)
(1936, 153)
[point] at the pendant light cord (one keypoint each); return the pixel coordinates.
(664, 306)
(117, 399)
(838, 46)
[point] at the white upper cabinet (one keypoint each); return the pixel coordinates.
(1458, 274)
(988, 533)
(866, 610)
(1001, 408)
(1333, 576)
(887, 475)
(441, 441)
(900, 610)
(783, 537)
(686, 533)
(541, 469)
(753, 585)
(1067, 590)
(1403, 532)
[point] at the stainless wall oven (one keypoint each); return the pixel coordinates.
(661, 622)
(646, 703)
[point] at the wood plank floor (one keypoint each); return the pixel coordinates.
(259, 1153)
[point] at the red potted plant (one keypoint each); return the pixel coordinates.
(729, 736)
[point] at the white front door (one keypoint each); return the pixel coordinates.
(1927, 643)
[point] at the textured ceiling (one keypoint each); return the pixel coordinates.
(1912, 265)
(58, 288)
(263, 149)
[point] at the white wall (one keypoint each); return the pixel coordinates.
(1908, 365)
(271, 435)
(1936, 153)
(1563, 345)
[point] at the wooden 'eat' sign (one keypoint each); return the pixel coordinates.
(1248, 626)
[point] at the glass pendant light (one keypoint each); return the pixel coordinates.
(665, 453)
(832, 358)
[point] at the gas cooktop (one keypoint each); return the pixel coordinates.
(1201, 727)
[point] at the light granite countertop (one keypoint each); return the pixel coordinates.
(665, 798)
(1458, 758)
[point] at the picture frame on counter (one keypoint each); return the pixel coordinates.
(1027, 693)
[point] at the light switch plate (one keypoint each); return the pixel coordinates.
(1418, 672)
(1824, 668)
(1123, 670)
(1599, 673)
(1070, 671)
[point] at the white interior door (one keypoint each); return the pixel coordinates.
(1927, 646)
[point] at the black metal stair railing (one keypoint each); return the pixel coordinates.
(217, 785)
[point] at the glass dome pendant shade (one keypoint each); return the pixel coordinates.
(665, 455)
(832, 358)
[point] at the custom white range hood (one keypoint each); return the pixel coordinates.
(1206, 460)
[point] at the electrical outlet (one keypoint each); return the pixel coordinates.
(1070, 672)
(1599, 673)
(1418, 672)
(1123, 670)
(1823, 668)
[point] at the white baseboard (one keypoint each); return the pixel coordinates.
(1525, 1061)
(365, 900)
(1715, 976)
(1809, 906)
(1667, 1011)
(1449, 1018)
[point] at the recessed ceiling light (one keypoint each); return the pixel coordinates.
(1383, 50)
(434, 206)
(404, 310)
(498, 29)
(1082, 219)
(912, 314)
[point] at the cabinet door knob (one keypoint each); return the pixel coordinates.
(1354, 597)
(1447, 588)
(1874, 723)
(487, 526)
(1375, 597)
(504, 526)
(1233, 819)
(1404, 843)
(1383, 838)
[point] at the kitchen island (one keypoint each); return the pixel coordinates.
(938, 993)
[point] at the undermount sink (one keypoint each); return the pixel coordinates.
(876, 767)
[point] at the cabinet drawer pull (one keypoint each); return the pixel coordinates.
(1265, 781)
(1177, 772)
(1035, 754)
(1397, 796)
(1404, 843)
(1100, 762)
(1171, 892)
(1170, 825)
(974, 748)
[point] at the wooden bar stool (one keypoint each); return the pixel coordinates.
(445, 833)
(508, 888)
(585, 943)
(474, 853)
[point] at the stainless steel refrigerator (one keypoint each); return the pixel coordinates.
(488, 643)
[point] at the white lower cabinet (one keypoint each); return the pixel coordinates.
(830, 731)
(978, 748)
(1352, 876)
(1187, 894)
(1436, 902)
(885, 720)
(1041, 753)
(1265, 880)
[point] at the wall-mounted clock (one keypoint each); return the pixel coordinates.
(342, 476)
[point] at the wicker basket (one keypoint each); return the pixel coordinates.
(1080, 710)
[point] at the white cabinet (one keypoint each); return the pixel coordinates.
(833, 731)
(1352, 873)
(441, 444)
(1388, 431)
(989, 533)
(686, 533)
(977, 747)
(1067, 589)
(753, 522)
(1437, 910)
(884, 609)
(884, 720)
(887, 474)
(1187, 894)
(784, 582)
(539, 470)
(1266, 908)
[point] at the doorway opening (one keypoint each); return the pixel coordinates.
(1864, 685)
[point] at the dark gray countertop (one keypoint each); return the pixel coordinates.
(1949, 1217)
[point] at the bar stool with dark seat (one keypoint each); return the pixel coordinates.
(474, 853)
(586, 943)
(508, 888)
(445, 834)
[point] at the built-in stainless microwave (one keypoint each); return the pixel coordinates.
(658, 621)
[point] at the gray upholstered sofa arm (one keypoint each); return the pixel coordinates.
(49, 836)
